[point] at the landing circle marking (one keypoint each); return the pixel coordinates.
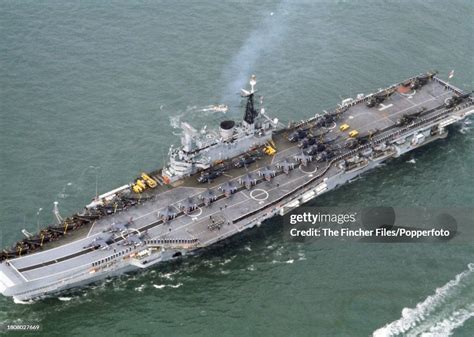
(259, 195)
(408, 94)
(192, 215)
(127, 231)
(313, 171)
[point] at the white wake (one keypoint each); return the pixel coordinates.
(439, 314)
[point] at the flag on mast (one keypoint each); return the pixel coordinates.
(451, 74)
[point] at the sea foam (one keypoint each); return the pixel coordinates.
(438, 315)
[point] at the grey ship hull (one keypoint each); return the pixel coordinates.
(67, 266)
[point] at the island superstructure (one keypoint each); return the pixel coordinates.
(218, 183)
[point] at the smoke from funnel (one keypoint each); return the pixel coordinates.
(238, 71)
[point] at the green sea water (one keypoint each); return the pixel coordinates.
(89, 83)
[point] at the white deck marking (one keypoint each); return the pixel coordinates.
(61, 272)
(90, 230)
(192, 216)
(257, 194)
(246, 196)
(301, 169)
(408, 97)
(383, 106)
(13, 267)
(409, 94)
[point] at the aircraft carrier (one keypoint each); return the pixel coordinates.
(218, 183)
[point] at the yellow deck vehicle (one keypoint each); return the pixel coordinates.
(136, 188)
(269, 150)
(149, 181)
(141, 183)
(139, 186)
(353, 133)
(344, 127)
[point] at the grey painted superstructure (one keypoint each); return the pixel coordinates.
(181, 215)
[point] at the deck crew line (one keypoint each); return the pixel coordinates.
(218, 183)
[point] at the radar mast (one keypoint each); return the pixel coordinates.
(250, 112)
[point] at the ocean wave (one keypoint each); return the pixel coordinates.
(446, 326)
(465, 129)
(168, 276)
(17, 301)
(140, 288)
(226, 261)
(175, 285)
(161, 286)
(301, 257)
(64, 299)
(439, 314)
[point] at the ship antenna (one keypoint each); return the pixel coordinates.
(250, 112)
(96, 168)
(253, 81)
(37, 218)
(56, 213)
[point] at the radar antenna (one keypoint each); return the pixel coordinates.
(250, 112)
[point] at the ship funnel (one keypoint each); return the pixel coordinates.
(227, 130)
